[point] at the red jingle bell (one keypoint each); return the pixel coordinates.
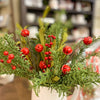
(65, 69)
(87, 40)
(39, 48)
(67, 50)
(25, 51)
(25, 32)
(11, 56)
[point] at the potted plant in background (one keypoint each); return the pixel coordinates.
(54, 68)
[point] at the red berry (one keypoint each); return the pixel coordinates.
(46, 53)
(1, 60)
(67, 50)
(13, 67)
(51, 43)
(25, 32)
(11, 56)
(78, 68)
(25, 51)
(19, 48)
(39, 48)
(46, 58)
(97, 50)
(46, 44)
(49, 57)
(49, 52)
(49, 65)
(25, 59)
(53, 36)
(65, 69)
(43, 70)
(87, 40)
(42, 64)
(49, 46)
(31, 68)
(5, 53)
(49, 36)
(20, 54)
(9, 61)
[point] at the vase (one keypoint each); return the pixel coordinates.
(6, 78)
(47, 94)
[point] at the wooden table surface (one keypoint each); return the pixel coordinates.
(16, 90)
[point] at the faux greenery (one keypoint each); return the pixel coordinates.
(52, 77)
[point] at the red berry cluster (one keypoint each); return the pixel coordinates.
(51, 43)
(10, 57)
(47, 63)
(25, 32)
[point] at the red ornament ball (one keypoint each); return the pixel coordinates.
(13, 67)
(39, 48)
(65, 69)
(87, 40)
(11, 56)
(9, 61)
(25, 51)
(67, 50)
(5, 53)
(1, 60)
(25, 32)
(42, 65)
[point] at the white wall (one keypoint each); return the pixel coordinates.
(97, 18)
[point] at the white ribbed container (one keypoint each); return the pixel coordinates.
(46, 94)
(6, 78)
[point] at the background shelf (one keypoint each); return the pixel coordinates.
(34, 9)
(39, 11)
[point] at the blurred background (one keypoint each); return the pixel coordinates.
(82, 18)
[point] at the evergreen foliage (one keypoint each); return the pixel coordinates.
(52, 77)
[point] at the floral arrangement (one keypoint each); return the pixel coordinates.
(46, 60)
